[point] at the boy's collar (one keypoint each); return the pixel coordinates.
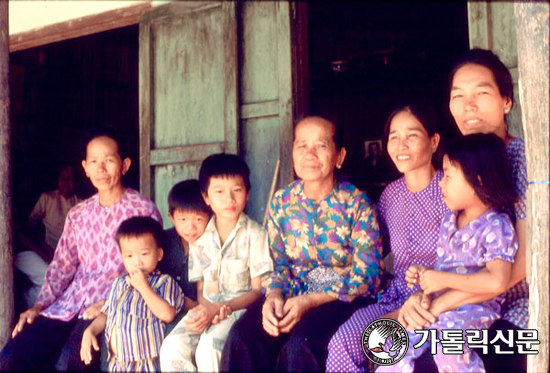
(211, 226)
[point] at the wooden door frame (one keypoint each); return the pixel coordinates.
(81, 26)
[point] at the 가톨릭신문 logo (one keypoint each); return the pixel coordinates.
(385, 341)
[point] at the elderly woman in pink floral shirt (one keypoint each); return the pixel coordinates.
(87, 260)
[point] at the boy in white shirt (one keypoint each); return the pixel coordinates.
(227, 262)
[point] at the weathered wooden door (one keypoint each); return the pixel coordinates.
(220, 76)
(187, 91)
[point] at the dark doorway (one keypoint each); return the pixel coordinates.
(367, 57)
(61, 94)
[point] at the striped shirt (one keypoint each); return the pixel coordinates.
(135, 331)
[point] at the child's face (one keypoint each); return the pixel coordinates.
(190, 225)
(458, 194)
(227, 196)
(140, 252)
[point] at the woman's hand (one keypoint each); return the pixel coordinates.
(272, 312)
(294, 309)
(412, 275)
(93, 311)
(414, 313)
(26, 317)
(432, 281)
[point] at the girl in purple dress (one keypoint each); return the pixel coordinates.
(475, 251)
(410, 212)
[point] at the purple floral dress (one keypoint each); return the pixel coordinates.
(466, 250)
(515, 308)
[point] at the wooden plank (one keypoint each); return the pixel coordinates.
(479, 29)
(146, 100)
(286, 109)
(78, 27)
(184, 154)
(532, 29)
(260, 109)
(178, 9)
(6, 232)
(231, 114)
(258, 65)
(300, 58)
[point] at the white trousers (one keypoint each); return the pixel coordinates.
(184, 350)
(32, 265)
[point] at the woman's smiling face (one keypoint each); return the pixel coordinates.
(476, 102)
(409, 145)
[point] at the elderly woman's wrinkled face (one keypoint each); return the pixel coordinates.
(314, 151)
(103, 164)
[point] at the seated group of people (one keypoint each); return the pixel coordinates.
(219, 292)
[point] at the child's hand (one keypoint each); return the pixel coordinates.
(88, 341)
(138, 279)
(199, 318)
(224, 312)
(412, 275)
(431, 281)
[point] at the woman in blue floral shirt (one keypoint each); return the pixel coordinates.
(326, 250)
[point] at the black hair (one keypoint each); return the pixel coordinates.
(484, 163)
(337, 134)
(138, 226)
(186, 196)
(120, 143)
(487, 59)
(223, 165)
(425, 114)
(64, 166)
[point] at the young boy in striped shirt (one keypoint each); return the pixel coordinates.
(140, 303)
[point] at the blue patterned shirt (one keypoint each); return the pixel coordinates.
(339, 232)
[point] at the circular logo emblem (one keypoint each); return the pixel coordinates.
(385, 341)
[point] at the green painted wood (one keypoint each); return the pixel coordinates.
(261, 146)
(266, 92)
(259, 69)
(188, 92)
(188, 101)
